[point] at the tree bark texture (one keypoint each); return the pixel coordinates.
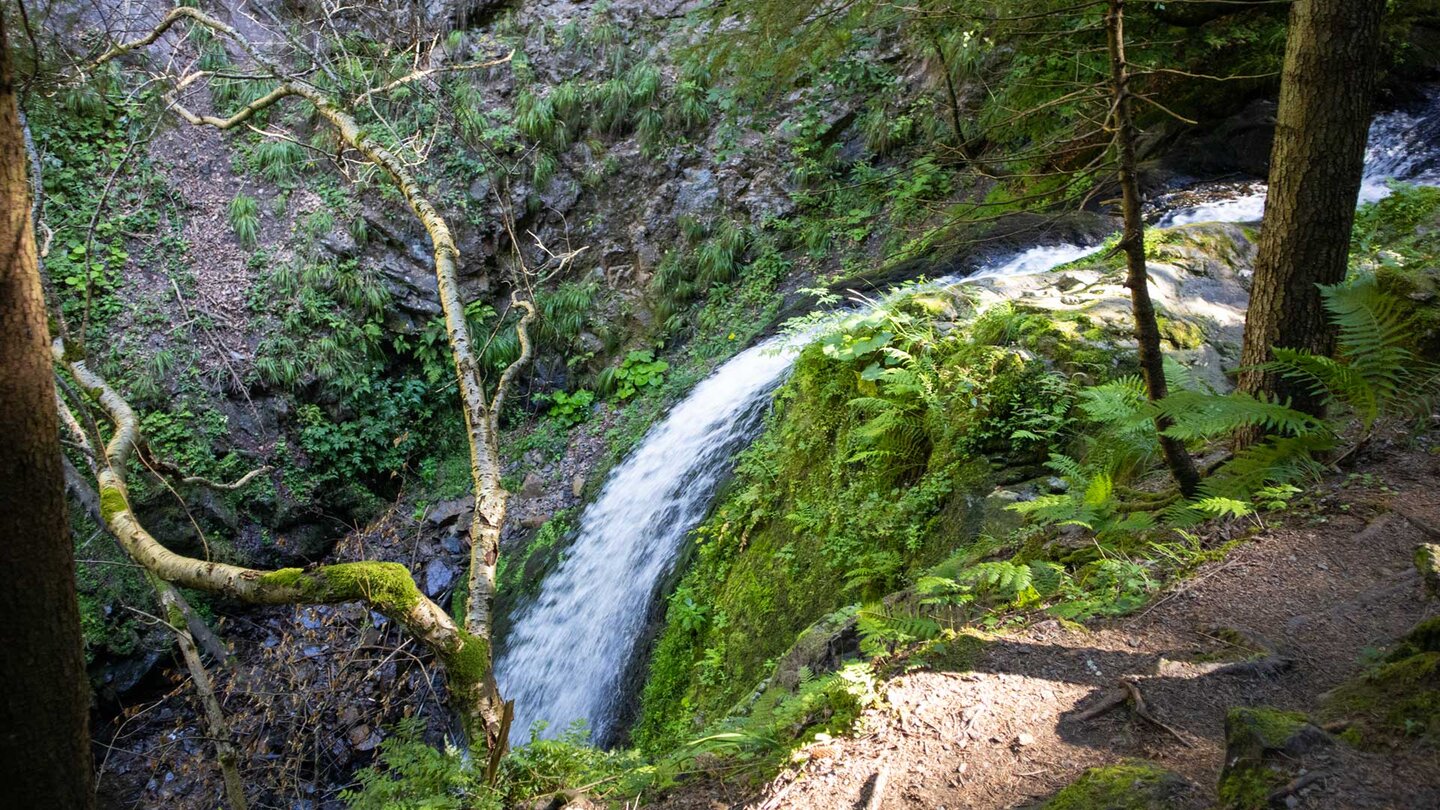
(1132, 241)
(1316, 168)
(45, 758)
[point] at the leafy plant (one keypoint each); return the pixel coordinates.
(571, 409)
(244, 214)
(639, 371)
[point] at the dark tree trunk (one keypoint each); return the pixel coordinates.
(44, 736)
(1132, 241)
(1315, 172)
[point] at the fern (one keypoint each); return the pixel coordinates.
(1374, 372)
(881, 632)
(1200, 416)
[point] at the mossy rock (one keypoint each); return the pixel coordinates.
(1132, 785)
(1262, 748)
(1422, 638)
(1396, 702)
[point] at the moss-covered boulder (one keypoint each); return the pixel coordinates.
(1132, 785)
(1263, 749)
(1396, 702)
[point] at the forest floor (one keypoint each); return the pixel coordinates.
(1322, 588)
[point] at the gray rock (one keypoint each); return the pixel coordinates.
(533, 487)
(452, 543)
(449, 511)
(439, 575)
(697, 192)
(577, 485)
(535, 521)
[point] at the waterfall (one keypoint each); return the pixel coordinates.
(566, 655)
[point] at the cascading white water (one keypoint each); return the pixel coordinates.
(1402, 146)
(568, 649)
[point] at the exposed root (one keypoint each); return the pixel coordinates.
(1128, 691)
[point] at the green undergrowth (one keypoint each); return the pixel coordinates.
(868, 473)
(1398, 239)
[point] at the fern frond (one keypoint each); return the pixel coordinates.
(1197, 415)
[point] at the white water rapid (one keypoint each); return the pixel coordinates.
(566, 655)
(567, 652)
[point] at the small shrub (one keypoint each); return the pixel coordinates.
(245, 219)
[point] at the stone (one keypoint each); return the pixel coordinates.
(534, 521)
(1264, 749)
(450, 511)
(533, 486)
(577, 486)
(452, 543)
(438, 577)
(1132, 785)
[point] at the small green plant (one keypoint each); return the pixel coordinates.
(638, 372)
(571, 409)
(244, 217)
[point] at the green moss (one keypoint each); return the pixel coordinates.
(283, 578)
(1261, 744)
(1423, 638)
(1270, 728)
(1397, 701)
(1127, 786)
(1182, 334)
(1249, 788)
(387, 586)
(954, 651)
(112, 503)
(471, 662)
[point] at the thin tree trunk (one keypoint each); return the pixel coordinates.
(177, 613)
(1316, 169)
(466, 649)
(45, 758)
(1147, 329)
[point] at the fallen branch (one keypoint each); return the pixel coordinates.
(420, 74)
(1296, 785)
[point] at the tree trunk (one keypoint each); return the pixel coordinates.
(465, 649)
(44, 735)
(1132, 241)
(1315, 172)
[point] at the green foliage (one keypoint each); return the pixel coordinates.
(413, 775)
(1375, 372)
(637, 372)
(244, 214)
(279, 161)
(570, 409)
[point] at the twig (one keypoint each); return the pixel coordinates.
(1296, 785)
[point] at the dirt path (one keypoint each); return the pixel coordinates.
(1322, 590)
